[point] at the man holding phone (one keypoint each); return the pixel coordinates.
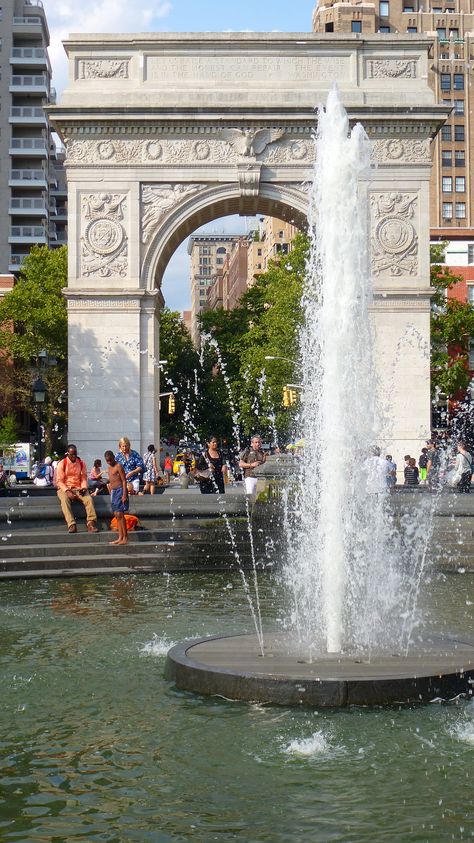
(71, 483)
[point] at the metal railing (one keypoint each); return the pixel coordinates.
(27, 111)
(28, 175)
(28, 143)
(28, 204)
(27, 231)
(29, 53)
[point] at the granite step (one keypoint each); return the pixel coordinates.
(117, 562)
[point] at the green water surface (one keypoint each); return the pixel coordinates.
(96, 746)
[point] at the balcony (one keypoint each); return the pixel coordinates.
(26, 25)
(28, 234)
(16, 262)
(30, 57)
(28, 178)
(31, 147)
(27, 115)
(30, 84)
(28, 206)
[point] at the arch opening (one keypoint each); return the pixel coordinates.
(209, 207)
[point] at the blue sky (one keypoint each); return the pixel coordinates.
(67, 16)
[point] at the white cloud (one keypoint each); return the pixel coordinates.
(94, 16)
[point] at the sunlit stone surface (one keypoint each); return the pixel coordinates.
(165, 133)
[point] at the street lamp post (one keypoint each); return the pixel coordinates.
(39, 397)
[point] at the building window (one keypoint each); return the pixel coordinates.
(470, 259)
(408, 8)
(384, 9)
(447, 210)
(445, 81)
(221, 250)
(219, 261)
(447, 184)
(460, 210)
(460, 183)
(454, 33)
(459, 106)
(446, 158)
(356, 26)
(458, 82)
(441, 32)
(459, 133)
(446, 133)
(412, 30)
(259, 252)
(459, 159)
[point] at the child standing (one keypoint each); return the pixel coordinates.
(422, 463)
(118, 496)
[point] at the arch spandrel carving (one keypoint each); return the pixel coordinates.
(285, 201)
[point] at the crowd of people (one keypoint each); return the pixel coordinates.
(439, 464)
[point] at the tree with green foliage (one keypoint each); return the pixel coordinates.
(265, 323)
(8, 430)
(36, 310)
(177, 375)
(452, 326)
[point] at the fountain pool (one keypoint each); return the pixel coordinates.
(97, 746)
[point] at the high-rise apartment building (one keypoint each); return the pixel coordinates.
(208, 253)
(451, 24)
(32, 180)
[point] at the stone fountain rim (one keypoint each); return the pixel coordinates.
(236, 684)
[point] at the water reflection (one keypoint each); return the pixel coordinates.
(95, 745)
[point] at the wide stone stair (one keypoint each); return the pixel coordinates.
(180, 531)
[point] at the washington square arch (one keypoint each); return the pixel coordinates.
(166, 132)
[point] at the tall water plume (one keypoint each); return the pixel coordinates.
(343, 579)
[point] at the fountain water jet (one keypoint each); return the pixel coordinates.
(351, 589)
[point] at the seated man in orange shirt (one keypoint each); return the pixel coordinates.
(71, 481)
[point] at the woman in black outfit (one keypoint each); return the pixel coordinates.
(212, 459)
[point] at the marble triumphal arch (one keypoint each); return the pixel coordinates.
(165, 132)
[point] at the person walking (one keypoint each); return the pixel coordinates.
(71, 481)
(152, 472)
(463, 468)
(168, 468)
(392, 472)
(249, 460)
(433, 466)
(422, 464)
(211, 463)
(131, 463)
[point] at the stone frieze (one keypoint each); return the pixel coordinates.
(103, 68)
(391, 68)
(104, 243)
(157, 200)
(394, 238)
(401, 151)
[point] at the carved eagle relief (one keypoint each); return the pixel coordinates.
(250, 142)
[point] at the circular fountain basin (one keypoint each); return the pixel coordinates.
(438, 667)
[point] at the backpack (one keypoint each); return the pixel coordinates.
(41, 473)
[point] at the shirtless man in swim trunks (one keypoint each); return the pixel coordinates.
(118, 496)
